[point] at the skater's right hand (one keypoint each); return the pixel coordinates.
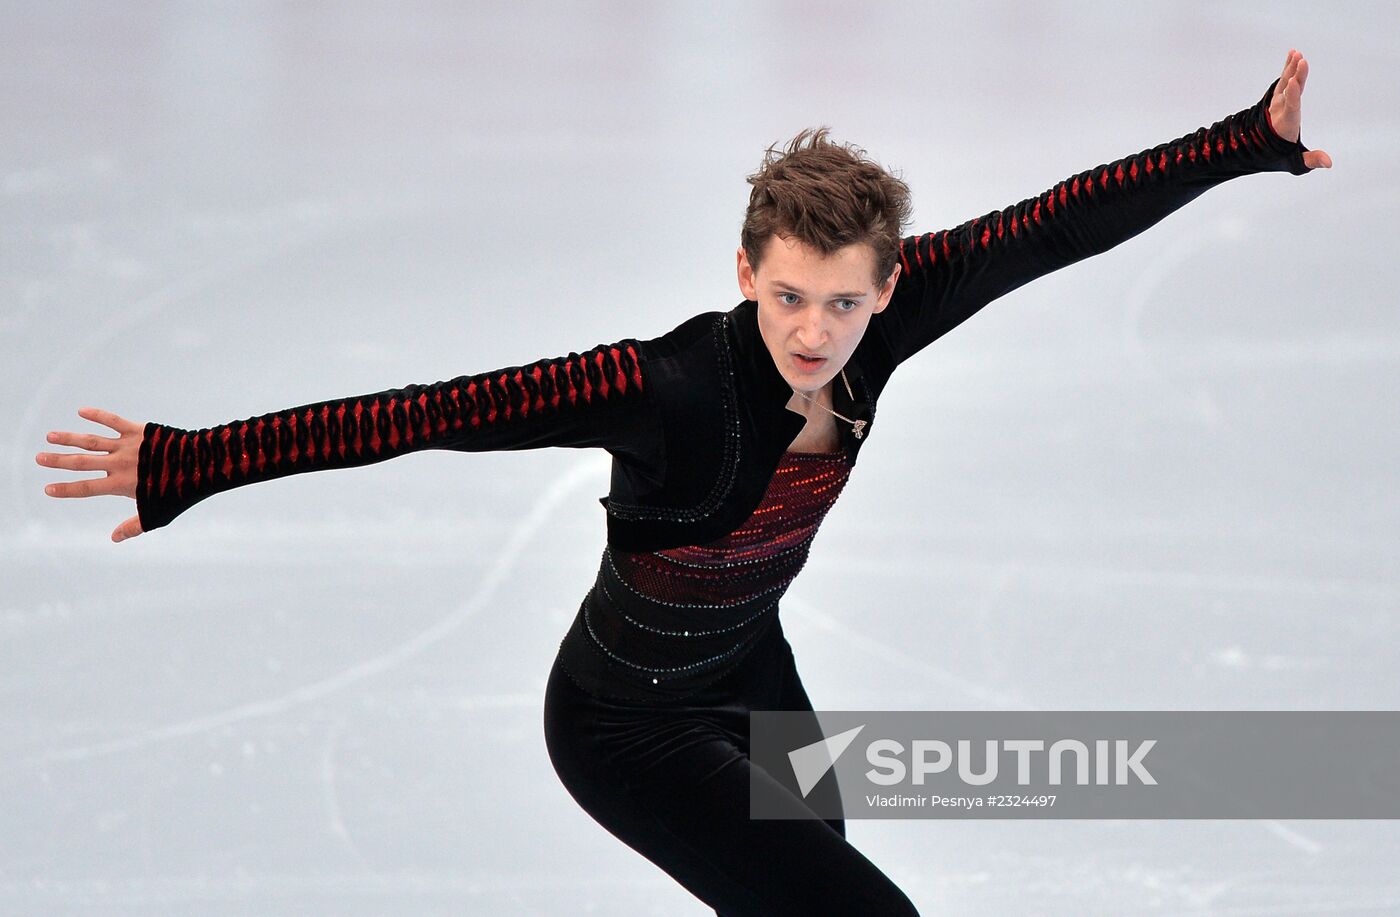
(115, 456)
(1286, 107)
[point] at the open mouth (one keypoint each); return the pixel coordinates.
(806, 362)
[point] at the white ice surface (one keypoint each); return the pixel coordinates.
(1164, 478)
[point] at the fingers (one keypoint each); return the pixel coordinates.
(107, 457)
(87, 487)
(1317, 159)
(1287, 73)
(1295, 68)
(128, 529)
(89, 441)
(72, 461)
(120, 424)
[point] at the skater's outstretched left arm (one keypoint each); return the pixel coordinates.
(947, 276)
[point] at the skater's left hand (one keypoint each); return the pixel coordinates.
(1286, 107)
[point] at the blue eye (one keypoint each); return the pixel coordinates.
(850, 302)
(784, 301)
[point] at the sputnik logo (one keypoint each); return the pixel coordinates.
(811, 762)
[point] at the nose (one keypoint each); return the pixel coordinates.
(811, 330)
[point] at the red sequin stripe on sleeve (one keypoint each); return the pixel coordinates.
(1234, 137)
(568, 401)
(952, 273)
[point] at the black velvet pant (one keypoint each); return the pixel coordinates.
(672, 782)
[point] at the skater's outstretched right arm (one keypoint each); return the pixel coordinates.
(594, 398)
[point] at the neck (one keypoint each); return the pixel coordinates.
(821, 396)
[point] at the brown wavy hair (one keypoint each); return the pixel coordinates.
(827, 195)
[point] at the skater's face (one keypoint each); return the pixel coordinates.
(810, 305)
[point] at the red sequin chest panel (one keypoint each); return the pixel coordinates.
(664, 623)
(762, 555)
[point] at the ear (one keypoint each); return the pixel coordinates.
(887, 289)
(746, 276)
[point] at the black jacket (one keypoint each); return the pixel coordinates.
(696, 419)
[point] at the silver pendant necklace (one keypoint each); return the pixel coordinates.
(857, 426)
